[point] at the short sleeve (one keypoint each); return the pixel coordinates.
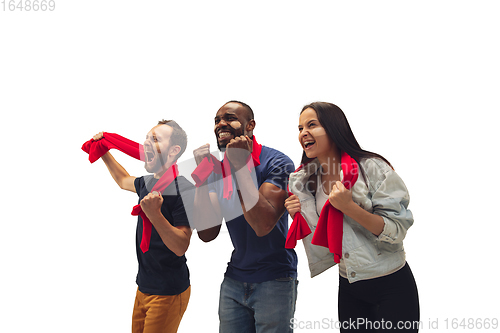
(138, 184)
(183, 208)
(390, 200)
(277, 171)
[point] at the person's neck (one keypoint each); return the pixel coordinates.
(164, 169)
(330, 163)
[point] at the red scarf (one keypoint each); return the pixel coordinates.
(211, 164)
(329, 230)
(299, 227)
(298, 230)
(166, 179)
(96, 149)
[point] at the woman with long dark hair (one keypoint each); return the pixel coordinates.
(355, 206)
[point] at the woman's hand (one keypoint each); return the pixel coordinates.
(340, 197)
(292, 205)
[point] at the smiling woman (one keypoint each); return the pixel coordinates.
(369, 213)
(313, 137)
(338, 130)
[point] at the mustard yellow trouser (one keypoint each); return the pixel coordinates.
(159, 314)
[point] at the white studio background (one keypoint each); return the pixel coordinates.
(418, 81)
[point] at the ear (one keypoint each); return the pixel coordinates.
(174, 151)
(250, 126)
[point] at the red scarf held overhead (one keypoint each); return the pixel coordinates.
(96, 149)
(329, 230)
(211, 164)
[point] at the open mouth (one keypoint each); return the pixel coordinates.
(224, 135)
(308, 144)
(149, 156)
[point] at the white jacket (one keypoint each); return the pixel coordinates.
(365, 255)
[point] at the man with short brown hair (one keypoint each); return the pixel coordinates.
(163, 278)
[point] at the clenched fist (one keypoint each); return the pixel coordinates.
(201, 152)
(151, 204)
(292, 205)
(238, 150)
(340, 197)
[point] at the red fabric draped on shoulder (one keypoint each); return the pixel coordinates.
(212, 164)
(329, 230)
(96, 149)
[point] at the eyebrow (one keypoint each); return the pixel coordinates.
(153, 135)
(226, 114)
(310, 121)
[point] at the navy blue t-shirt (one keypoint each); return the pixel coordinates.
(162, 272)
(258, 259)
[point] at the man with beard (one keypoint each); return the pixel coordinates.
(259, 289)
(163, 278)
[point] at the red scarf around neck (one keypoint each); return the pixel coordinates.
(96, 149)
(329, 230)
(211, 164)
(166, 179)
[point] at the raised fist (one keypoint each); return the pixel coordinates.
(201, 152)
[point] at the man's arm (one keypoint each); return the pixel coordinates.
(269, 202)
(261, 207)
(177, 239)
(119, 174)
(207, 213)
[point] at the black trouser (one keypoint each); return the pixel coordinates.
(384, 304)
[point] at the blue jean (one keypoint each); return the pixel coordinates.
(265, 307)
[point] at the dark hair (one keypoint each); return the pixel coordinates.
(335, 123)
(178, 137)
(249, 109)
